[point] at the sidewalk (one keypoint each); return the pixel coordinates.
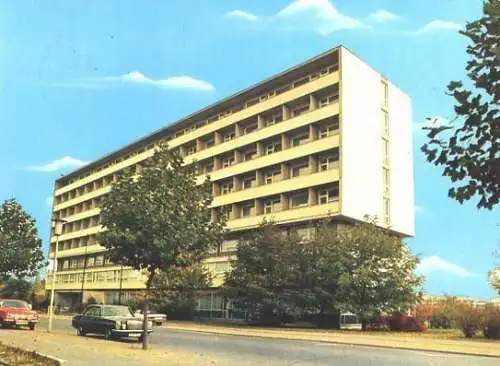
(71, 350)
(411, 341)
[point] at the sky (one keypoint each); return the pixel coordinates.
(79, 79)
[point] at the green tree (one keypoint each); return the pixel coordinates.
(160, 219)
(260, 281)
(20, 247)
(471, 155)
(178, 289)
(378, 271)
(17, 288)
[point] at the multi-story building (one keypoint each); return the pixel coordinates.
(329, 138)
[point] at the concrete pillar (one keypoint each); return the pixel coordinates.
(286, 112)
(238, 131)
(313, 197)
(259, 177)
(285, 141)
(200, 144)
(237, 183)
(313, 132)
(313, 164)
(216, 189)
(285, 171)
(260, 148)
(217, 162)
(259, 207)
(313, 102)
(285, 202)
(236, 211)
(261, 123)
(217, 138)
(238, 156)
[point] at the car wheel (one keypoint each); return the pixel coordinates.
(80, 331)
(32, 326)
(107, 333)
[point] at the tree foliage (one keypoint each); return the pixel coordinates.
(20, 247)
(177, 291)
(17, 288)
(362, 269)
(471, 156)
(378, 271)
(160, 218)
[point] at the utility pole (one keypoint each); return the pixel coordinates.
(121, 281)
(83, 276)
(57, 228)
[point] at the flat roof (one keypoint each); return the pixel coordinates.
(199, 115)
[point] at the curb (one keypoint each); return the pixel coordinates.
(342, 343)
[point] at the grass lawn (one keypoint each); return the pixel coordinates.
(14, 356)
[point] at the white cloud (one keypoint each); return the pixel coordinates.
(319, 16)
(136, 77)
(438, 26)
(382, 16)
(58, 164)
(242, 15)
(174, 82)
(437, 264)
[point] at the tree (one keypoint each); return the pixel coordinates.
(259, 282)
(159, 219)
(20, 247)
(16, 288)
(177, 290)
(471, 156)
(378, 271)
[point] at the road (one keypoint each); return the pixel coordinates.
(264, 351)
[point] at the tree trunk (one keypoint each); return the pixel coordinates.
(363, 324)
(145, 310)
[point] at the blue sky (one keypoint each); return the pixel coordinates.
(80, 79)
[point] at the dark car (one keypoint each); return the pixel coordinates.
(113, 321)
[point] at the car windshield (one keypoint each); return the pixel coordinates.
(14, 304)
(116, 311)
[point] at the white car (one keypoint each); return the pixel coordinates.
(157, 319)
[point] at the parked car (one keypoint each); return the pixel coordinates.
(17, 313)
(157, 319)
(113, 321)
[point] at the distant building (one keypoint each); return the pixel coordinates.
(329, 138)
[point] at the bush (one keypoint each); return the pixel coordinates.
(440, 321)
(400, 322)
(469, 318)
(492, 328)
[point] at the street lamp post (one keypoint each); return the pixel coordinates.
(57, 226)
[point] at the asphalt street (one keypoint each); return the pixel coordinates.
(265, 351)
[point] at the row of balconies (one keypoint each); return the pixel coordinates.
(239, 107)
(291, 110)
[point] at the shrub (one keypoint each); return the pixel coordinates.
(469, 318)
(440, 320)
(400, 322)
(492, 328)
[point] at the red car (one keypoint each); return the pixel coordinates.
(17, 313)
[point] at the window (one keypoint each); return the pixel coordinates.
(272, 205)
(227, 188)
(299, 199)
(246, 210)
(222, 267)
(209, 167)
(329, 99)
(249, 155)
(191, 150)
(328, 162)
(300, 169)
(272, 120)
(297, 111)
(330, 130)
(300, 139)
(99, 260)
(301, 81)
(210, 142)
(93, 311)
(328, 195)
(227, 161)
(272, 177)
(273, 147)
(248, 182)
(250, 129)
(229, 136)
